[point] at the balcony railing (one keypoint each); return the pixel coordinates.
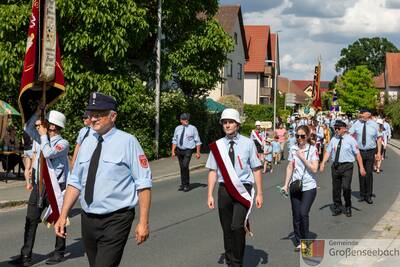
(268, 70)
(265, 91)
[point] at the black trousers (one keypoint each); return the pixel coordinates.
(232, 215)
(32, 220)
(184, 157)
(366, 182)
(105, 236)
(342, 175)
(301, 204)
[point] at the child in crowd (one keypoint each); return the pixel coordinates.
(268, 155)
(276, 149)
(291, 140)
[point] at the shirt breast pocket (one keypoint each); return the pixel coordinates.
(115, 166)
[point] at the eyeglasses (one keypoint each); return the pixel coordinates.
(302, 136)
(98, 114)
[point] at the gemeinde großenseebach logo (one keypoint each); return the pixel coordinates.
(350, 252)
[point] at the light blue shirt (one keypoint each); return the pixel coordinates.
(268, 151)
(276, 147)
(348, 151)
(309, 178)
(191, 137)
(319, 132)
(246, 159)
(388, 129)
(56, 150)
(123, 170)
(82, 132)
(372, 133)
(291, 142)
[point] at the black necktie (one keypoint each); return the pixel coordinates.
(182, 135)
(338, 150)
(364, 134)
(91, 177)
(232, 153)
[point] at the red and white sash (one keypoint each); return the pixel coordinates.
(54, 194)
(232, 182)
(257, 137)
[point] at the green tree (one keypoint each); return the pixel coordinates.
(356, 90)
(366, 51)
(108, 46)
(393, 111)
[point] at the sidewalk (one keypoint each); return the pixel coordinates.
(13, 193)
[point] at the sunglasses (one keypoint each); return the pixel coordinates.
(302, 136)
(98, 114)
(337, 128)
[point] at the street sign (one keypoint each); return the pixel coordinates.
(266, 124)
(290, 99)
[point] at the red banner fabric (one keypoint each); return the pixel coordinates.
(30, 92)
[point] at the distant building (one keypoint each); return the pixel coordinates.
(259, 69)
(307, 86)
(287, 86)
(389, 81)
(230, 18)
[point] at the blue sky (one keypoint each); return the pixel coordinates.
(313, 28)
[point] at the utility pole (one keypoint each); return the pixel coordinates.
(275, 76)
(158, 82)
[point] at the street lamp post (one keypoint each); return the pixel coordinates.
(158, 82)
(275, 62)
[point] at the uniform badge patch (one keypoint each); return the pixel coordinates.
(143, 161)
(59, 147)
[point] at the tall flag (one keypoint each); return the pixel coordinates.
(316, 95)
(42, 64)
(42, 83)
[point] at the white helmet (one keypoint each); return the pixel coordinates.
(258, 123)
(230, 113)
(56, 118)
(379, 121)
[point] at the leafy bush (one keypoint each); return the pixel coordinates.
(258, 112)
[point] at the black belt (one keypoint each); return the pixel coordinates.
(108, 214)
(343, 163)
(367, 150)
(245, 185)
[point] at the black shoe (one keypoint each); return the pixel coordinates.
(336, 212)
(186, 188)
(361, 199)
(369, 200)
(347, 212)
(24, 261)
(180, 188)
(55, 259)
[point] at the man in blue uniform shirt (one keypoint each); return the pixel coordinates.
(111, 175)
(369, 141)
(343, 150)
(185, 139)
(47, 141)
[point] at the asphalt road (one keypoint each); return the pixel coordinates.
(185, 233)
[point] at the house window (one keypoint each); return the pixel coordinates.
(235, 37)
(239, 72)
(229, 68)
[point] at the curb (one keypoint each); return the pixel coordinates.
(14, 203)
(394, 145)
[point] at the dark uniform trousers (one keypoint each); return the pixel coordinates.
(31, 223)
(301, 204)
(184, 157)
(366, 182)
(232, 215)
(342, 174)
(105, 236)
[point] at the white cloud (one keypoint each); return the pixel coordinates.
(392, 4)
(318, 8)
(303, 38)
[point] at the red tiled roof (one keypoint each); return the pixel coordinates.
(273, 42)
(226, 16)
(287, 86)
(393, 69)
(257, 43)
(303, 84)
(379, 81)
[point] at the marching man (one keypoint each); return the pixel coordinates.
(233, 162)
